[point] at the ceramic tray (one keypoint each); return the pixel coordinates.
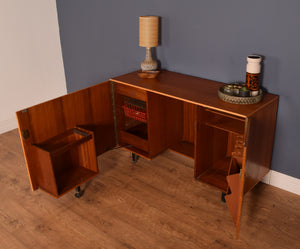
(239, 100)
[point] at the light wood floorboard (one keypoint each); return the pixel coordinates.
(150, 204)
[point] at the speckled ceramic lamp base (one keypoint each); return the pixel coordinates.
(149, 64)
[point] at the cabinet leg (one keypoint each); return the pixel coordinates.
(223, 197)
(78, 192)
(135, 157)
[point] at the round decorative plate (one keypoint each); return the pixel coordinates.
(239, 100)
(148, 74)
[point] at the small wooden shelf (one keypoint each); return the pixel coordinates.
(61, 143)
(216, 174)
(225, 122)
(131, 139)
(139, 130)
(72, 177)
(68, 160)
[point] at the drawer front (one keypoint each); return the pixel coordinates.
(127, 138)
(131, 92)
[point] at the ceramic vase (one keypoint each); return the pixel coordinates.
(253, 72)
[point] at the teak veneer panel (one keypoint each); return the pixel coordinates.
(192, 90)
(189, 119)
(164, 122)
(259, 143)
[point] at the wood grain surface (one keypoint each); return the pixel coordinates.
(155, 204)
(193, 90)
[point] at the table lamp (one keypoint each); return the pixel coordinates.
(148, 38)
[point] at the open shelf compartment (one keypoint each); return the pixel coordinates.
(224, 121)
(217, 147)
(132, 122)
(68, 160)
(217, 173)
(134, 119)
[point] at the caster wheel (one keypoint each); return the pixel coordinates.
(223, 197)
(78, 193)
(135, 157)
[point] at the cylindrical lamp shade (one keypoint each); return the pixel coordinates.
(148, 31)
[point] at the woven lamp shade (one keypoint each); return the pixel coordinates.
(148, 31)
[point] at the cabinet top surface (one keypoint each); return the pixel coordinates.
(193, 90)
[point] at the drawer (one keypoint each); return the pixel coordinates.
(127, 138)
(131, 92)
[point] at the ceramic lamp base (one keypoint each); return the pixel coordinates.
(149, 64)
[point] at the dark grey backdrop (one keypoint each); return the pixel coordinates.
(205, 38)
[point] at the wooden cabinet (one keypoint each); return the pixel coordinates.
(231, 144)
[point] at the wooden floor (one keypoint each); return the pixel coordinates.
(151, 204)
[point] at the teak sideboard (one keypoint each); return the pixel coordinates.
(231, 144)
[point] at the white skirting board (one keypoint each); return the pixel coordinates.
(8, 125)
(273, 178)
(283, 181)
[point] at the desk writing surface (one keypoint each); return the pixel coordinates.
(192, 89)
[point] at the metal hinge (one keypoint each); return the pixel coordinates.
(25, 134)
(114, 111)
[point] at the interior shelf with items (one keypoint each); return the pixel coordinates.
(135, 109)
(147, 123)
(131, 117)
(135, 117)
(68, 160)
(220, 151)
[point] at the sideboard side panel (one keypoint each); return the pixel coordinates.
(259, 143)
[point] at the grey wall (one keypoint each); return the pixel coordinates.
(205, 38)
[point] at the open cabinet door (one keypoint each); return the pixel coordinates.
(234, 199)
(62, 137)
(257, 155)
(236, 182)
(220, 155)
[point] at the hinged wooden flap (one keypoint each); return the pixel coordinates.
(234, 199)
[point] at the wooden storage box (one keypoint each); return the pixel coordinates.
(66, 160)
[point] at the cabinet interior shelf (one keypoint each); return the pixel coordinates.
(216, 174)
(228, 126)
(72, 177)
(139, 130)
(225, 122)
